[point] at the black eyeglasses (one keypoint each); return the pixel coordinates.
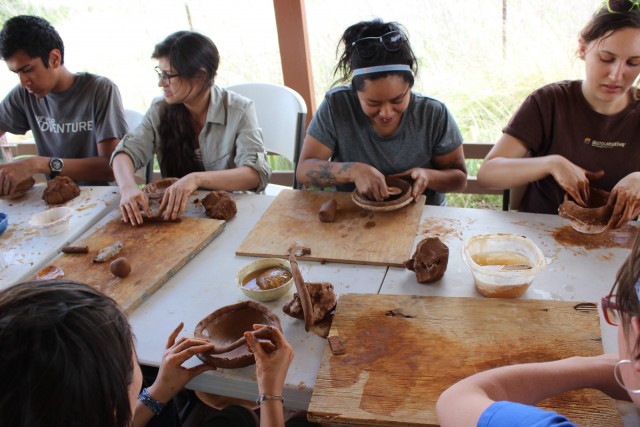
(391, 41)
(165, 77)
(620, 6)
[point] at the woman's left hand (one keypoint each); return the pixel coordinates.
(420, 178)
(172, 376)
(625, 198)
(174, 202)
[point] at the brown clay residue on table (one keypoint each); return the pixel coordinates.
(619, 238)
(369, 225)
(440, 227)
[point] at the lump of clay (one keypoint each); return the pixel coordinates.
(327, 211)
(21, 188)
(273, 278)
(120, 267)
(60, 190)
(313, 301)
(227, 325)
(592, 219)
(429, 261)
(220, 205)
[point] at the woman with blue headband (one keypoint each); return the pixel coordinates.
(569, 136)
(376, 126)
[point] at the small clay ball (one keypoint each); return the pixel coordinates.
(120, 267)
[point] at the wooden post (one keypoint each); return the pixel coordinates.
(295, 56)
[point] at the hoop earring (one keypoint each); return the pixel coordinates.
(618, 376)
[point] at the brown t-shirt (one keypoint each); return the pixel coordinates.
(556, 119)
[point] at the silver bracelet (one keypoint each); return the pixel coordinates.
(148, 401)
(264, 397)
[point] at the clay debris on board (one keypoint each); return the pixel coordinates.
(109, 252)
(313, 302)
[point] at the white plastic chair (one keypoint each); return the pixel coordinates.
(281, 115)
(133, 119)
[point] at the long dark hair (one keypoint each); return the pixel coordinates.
(192, 55)
(66, 358)
(351, 60)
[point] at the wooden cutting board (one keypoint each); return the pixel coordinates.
(156, 251)
(402, 352)
(357, 235)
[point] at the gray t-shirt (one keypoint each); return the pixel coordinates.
(426, 130)
(68, 124)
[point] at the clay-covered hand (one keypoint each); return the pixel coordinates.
(573, 179)
(370, 183)
(625, 198)
(132, 201)
(174, 202)
(12, 174)
(420, 178)
(272, 362)
(172, 376)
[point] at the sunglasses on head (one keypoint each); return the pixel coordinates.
(391, 41)
(620, 6)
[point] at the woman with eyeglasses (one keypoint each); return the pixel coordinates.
(506, 396)
(377, 126)
(203, 134)
(570, 135)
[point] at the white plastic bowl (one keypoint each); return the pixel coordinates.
(53, 221)
(503, 265)
(264, 294)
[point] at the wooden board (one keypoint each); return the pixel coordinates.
(156, 251)
(402, 352)
(357, 235)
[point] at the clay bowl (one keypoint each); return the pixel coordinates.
(52, 221)
(4, 222)
(503, 265)
(226, 325)
(156, 189)
(250, 273)
(592, 219)
(21, 189)
(392, 203)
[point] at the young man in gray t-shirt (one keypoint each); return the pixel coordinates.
(76, 119)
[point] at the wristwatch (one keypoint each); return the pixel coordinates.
(55, 164)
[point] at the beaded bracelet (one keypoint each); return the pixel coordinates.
(264, 397)
(148, 401)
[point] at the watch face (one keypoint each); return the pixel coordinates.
(56, 164)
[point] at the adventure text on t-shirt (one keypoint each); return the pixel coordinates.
(48, 124)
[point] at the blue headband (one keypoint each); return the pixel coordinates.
(381, 68)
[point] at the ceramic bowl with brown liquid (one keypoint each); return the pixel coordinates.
(266, 279)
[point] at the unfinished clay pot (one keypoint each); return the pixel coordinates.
(592, 219)
(227, 325)
(20, 190)
(395, 201)
(156, 189)
(429, 261)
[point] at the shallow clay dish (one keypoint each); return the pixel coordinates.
(588, 220)
(228, 324)
(156, 189)
(392, 203)
(52, 221)
(264, 294)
